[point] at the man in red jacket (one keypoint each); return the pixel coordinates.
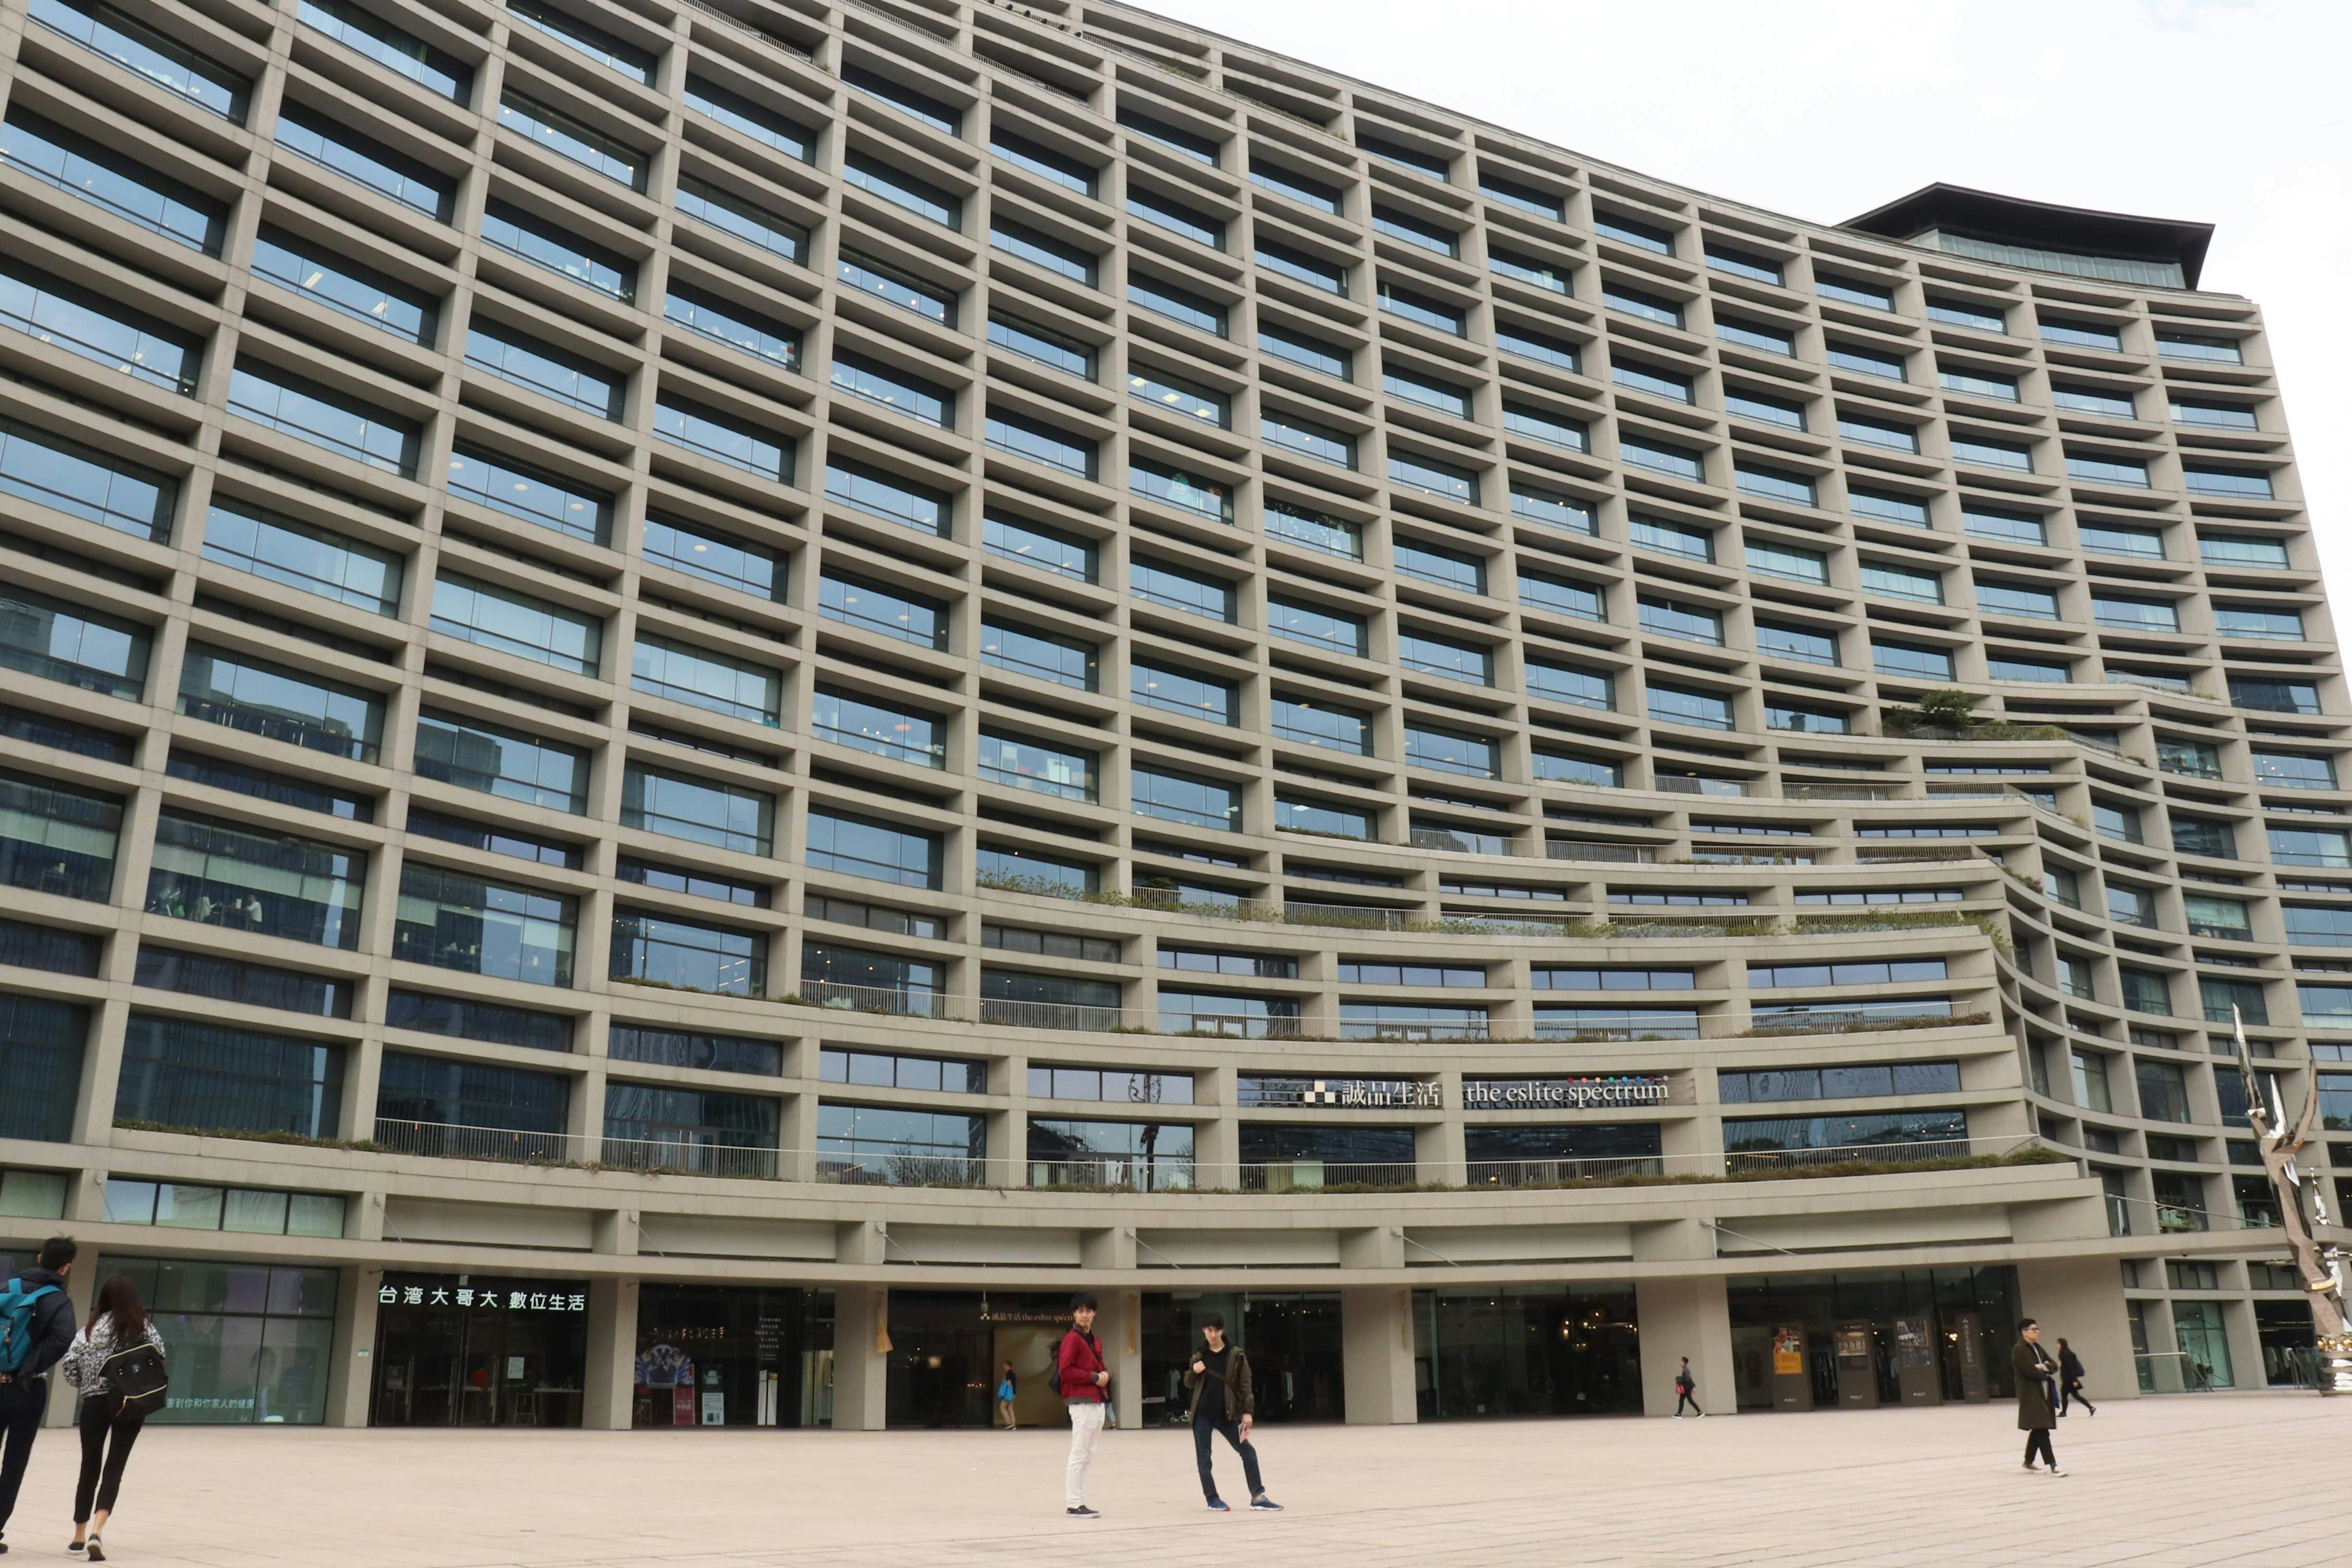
(1084, 1380)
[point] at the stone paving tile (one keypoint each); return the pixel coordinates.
(2175, 1483)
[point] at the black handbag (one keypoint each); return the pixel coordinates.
(136, 1377)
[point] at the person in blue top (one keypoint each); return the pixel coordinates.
(34, 1337)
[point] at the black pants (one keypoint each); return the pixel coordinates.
(102, 1461)
(1202, 1426)
(21, 1404)
(1684, 1397)
(2038, 1441)
(2072, 1394)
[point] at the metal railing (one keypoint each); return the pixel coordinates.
(1675, 783)
(446, 1141)
(1611, 854)
(1116, 1172)
(682, 1155)
(1026, 1015)
(1561, 1172)
(896, 1001)
(1747, 1161)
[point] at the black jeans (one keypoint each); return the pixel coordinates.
(21, 1404)
(1684, 1397)
(1203, 1425)
(102, 1418)
(2072, 1394)
(2038, 1440)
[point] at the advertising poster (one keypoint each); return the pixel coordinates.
(1788, 1352)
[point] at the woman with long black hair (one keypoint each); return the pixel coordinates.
(111, 1417)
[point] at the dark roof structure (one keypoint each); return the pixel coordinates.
(2041, 225)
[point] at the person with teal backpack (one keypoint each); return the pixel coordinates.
(37, 1325)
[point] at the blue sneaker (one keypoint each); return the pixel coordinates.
(1219, 1505)
(1265, 1504)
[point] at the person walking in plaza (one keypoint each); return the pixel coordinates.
(102, 1362)
(1224, 1400)
(37, 1325)
(1083, 1379)
(2070, 1381)
(1686, 1391)
(1006, 1391)
(2037, 1383)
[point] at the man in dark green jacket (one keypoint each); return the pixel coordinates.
(2036, 1372)
(1224, 1400)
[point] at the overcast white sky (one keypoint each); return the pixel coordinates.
(2235, 112)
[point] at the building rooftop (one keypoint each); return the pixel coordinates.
(2027, 226)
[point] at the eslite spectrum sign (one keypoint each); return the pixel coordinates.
(1341, 1093)
(1563, 1093)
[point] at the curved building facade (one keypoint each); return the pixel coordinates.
(702, 700)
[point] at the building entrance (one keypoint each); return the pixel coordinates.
(1856, 1341)
(459, 1350)
(947, 1351)
(713, 1356)
(1292, 1340)
(1525, 1350)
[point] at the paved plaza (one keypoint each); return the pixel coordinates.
(2219, 1478)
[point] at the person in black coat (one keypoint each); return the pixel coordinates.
(2070, 1381)
(25, 1393)
(2036, 1374)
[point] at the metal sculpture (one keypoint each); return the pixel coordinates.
(2303, 1210)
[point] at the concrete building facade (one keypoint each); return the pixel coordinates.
(701, 701)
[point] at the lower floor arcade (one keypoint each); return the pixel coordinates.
(263, 1341)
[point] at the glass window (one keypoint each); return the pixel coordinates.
(542, 243)
(2115, 404)
(1296, 186)
(679, 1048)
(1887, 508)
(571, 138)
(55, 839)
(2292, 771)
(701, 679)
(518, 623)
(1979, 384)
(1563, 767)
(1184, 797)
(390, 46)
(903, 735)
(2240, 550)
(1635, 302)
(1179, 590)
(318, 138)
(1585, 602)
(857, 847)
(2214, 350)
(1178, 397)
(1540, 505)
(1314, 530)
(1068, 172)
(2010, 599)
(715, 557)
(319, 273)
(652, 949)
(873, 1145)
(1632, 232)
(1985, 318)
(110, 333)
(1330, 629)
(1749, 335)
(1041, 443)
(1294, 348)
(756, 121)
(52, 471)
(1176, 304)
(1783, 640)
(1321, 725)
(512, 766)
(1026, 244)
(1062, 661)
(1573, 684)
(279, 704)
(1850, 291)
(746, 220)
(1657, 382)
(512, 356)
(1743, 263)
(856, 601)
(110, 181)
(456, 922)
(534, 495)
(1041, 346)
(1678, 461)
(867, 490)
(1175, 217)
(1447, 751)
(2007, 527)
(1301, 268)
(1534, 345)
(1677, 705)
(699, 810)
(1992, 454)
(301, 408)
(1910, 658)
(1899, 583)
(1033, 765)
(1413, 231)
(1307, 440)
(184, 1074)
(1192, 695)
(296, 555)
(1536, 426)
(920, 106)
(1675, 619)
(1293, 814)
(1439, 480)
(760, 336)
(266, 884)
(1653, 533)
(1421, 308)
(57, 641)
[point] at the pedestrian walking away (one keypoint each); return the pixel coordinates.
(2037, 1395)
(37, 1325)
(1006, 1390)
(117, 1362)
(1686, 1391)
(2070, 1381)
(1083, 1379)
(1225, 1399)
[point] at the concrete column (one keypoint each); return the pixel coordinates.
(1684, 1317)
(860, 1366)
(2245, 1346)
(2081, 1300)
(1119, 1326)
(81, 1290)
(1376, 1356)
(611, 1387)
(350, 1376)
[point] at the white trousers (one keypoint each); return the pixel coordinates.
(1085, 1431)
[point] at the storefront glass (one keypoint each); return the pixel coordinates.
(1292, 1338)
(947, 1351)
(1872, 1337)
(709, 1356)
(2204, 1344)
(2290, 1344)
(250, 1343)
(1527, 1350)
(458, 1349)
